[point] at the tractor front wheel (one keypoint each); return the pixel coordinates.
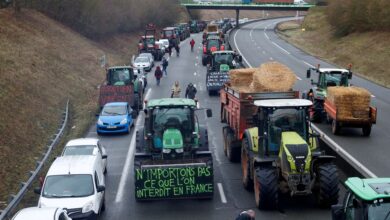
(232, 151)
(245, 166)
(316, 115)
(366, 130)
(266, 188)
(328, 181)
(335, 127)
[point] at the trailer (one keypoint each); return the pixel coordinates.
(365, 123)
(237, 110)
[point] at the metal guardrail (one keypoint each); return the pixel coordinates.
(25, 185)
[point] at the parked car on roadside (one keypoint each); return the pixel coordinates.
(143, 62)
(35, 213)
(86, 146)
(115, 117)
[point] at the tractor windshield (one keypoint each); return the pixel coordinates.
(213, 43)
(176, 118)
(285, 120)
(120, 77)
(333, 78)
(379, 211)
(223, 58)
(168, 33)
(149, 41)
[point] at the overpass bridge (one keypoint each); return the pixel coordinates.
(191, 5)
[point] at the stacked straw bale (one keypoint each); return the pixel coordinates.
(351, 102)
(269, 77)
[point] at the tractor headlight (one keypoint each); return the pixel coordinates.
(179, 150)
(124, 121)
(290, 158)
(166, 151)
(100, 122)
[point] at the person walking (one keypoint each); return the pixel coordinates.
(177, 48)
(165, 66)
(158, 74)
(170, 50)
(192, 43)
(190, 91)
(176, 90)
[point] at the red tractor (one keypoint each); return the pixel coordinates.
(147, 43)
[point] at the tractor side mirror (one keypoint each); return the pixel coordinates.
(308, 73)
(209, 113)
(239, 58)
(100, 188)
(349, 75)
(104, 156)
(38, 190)
(338, 212)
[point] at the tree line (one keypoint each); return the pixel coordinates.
(348, 16)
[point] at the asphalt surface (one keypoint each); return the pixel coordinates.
(258, 43)
(230, 198)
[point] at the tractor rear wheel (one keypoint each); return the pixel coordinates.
(328, 179)
(335, 127)
(204, 140)
(266, 188)
(232, 151)
(316, 115)
(366, 130)
(245, 166)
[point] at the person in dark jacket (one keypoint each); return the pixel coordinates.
(158, 74)
(190, 91)
(165, 66)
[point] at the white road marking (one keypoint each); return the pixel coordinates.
(263, 51)
(372, 96)
(308, 64)
(194, 73)
(266, 35)
(299, 78)
(271, 58)
(197, 57)
(196, 64)
(127, 166)
(222, 193)
(331, 142)
(277, 45)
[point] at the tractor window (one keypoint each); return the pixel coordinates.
(149, 41)
(333, 79)
(120, 77)
(223, 59)
(285, 120)
(168, 34)
(179, 118)
(379, 211)
(212, 43)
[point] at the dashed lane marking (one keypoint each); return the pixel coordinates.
(222, 193)
(308, 64)
(299, 78)
(277, 45)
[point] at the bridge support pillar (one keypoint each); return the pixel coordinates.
(237, 17)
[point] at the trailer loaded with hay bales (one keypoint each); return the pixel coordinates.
(270, 81)
(349, 107)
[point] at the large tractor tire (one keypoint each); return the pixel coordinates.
(204, 139)
(328, 182)
(232, 151)
(139, 140)
(204, 60)
(366, 130)
(266, 188)
(247, 181)
(316, 115)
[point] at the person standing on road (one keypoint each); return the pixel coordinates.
(177, 48)
(190, 91)
(170, 50)
(165, 66)
(158, 74)
(176, 90)
(192, 43)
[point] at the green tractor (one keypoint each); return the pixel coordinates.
(172, 158)
(366, 199)
(326, 77)
(280, 155)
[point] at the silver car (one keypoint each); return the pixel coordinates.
(143, 62)
(149, 55)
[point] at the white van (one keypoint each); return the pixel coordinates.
(75, 183)
(35, 213)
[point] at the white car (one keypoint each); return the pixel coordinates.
(86, 146)
(149, 55)
(35, 213)
(143, 62)
(76, 183)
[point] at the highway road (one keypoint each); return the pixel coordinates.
(258, 43)
(230, 197)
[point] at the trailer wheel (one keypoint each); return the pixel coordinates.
(335, 127)
(328, 179)
(366, 130)
(246, 166)
(224, 135)
(233, 152)
(266, 188)
(316, 115)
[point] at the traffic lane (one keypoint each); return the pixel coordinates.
(302, 85)
(180, 69)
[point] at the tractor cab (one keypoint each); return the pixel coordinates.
(120, 76)
(329, 77)
(147, 42)
(226, 58)
(172, 127)
(366, 199)
(282, 122)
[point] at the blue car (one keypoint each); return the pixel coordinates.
(116, 117)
